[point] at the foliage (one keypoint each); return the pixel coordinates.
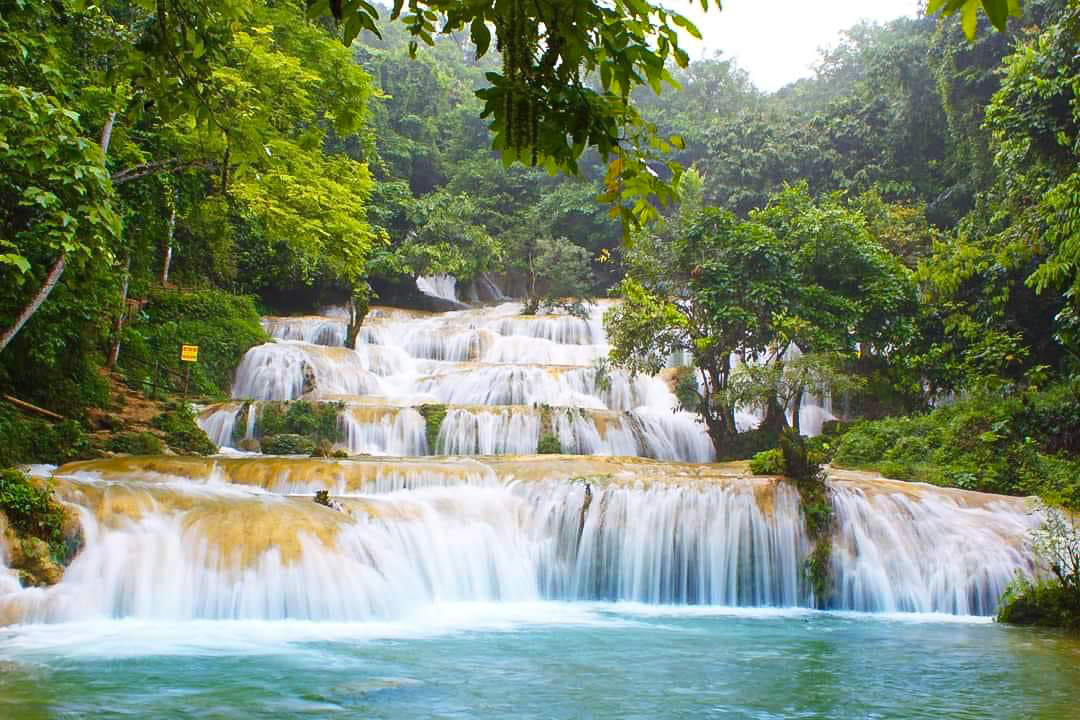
(287, 444)
(316, 421)
(1053, 602)
(557, 275)
(1020, 444)
(25, 440)
(32, 510)
(224, 326)
(135, 443)
(767, 462)
(433, 418)
(182, 433)
(549, 445)
(544, 104)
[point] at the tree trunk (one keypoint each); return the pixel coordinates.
(118, 324)
(796, 407)
(167, 260)
(39, 297)
(58, 266)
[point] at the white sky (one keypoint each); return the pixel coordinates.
(777, 41)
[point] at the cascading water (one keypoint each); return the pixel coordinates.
(240, 538)
(507, 380)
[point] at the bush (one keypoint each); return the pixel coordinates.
(318, 421)
(744, 445)
(287, 444)
(1043, 604)
(1017, 445)
(182, 433)
(549, 445)
(32, 510)
(224, 326)
(433, 419)
(135, 443)
(767, 462)
(28, 440)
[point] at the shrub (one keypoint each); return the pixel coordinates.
(433, 419)
(135, 443)
(32, 510)
(287, 444)
(767, 462)
(549, 445)
(182, 433)
(29, 440)
(1018, 445)
(1045, 604)
(223, 325)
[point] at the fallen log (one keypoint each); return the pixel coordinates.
(34, 409)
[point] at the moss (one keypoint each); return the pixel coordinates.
(182, 433)
(802, 467)
(239, 430)
(818, 570)
(339, 454)
(549, 445)
(1042, 604)
(33, 512)
(135, 443)
(287, 444)
(767, 462)
(433, 419)
(28, 440)
(317, 421)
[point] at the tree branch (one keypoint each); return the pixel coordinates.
(160, 166)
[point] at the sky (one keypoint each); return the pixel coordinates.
(777, 41)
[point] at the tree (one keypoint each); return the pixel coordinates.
(707, 285)
(557, 275)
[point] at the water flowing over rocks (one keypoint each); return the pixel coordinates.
(451, 503)
(239, 537)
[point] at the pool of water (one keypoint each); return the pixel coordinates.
(545, 660)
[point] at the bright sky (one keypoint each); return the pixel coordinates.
(777, 41)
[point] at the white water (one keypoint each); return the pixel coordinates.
(440, 286)
(197, 540)
(494, 367)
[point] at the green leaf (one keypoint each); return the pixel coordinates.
(481, 36)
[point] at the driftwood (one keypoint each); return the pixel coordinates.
(34, 409)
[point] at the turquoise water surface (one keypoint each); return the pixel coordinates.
(544, 660)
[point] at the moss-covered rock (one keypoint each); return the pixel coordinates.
(182, 433)
(135, 443)
(433, 419)
(317, 421)
(1042, 604)
(549, 445)
(41, 534)
(287, 444)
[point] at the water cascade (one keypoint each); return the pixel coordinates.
(444, 499)
(507, 380)
(235, 538)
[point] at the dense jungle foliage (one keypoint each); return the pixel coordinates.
(900, 231)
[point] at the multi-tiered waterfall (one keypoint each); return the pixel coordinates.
(478, 516)
(505, 380)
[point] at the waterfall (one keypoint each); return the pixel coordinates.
(183, 538)
(440, 286)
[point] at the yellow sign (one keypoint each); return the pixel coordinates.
(189, 353)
